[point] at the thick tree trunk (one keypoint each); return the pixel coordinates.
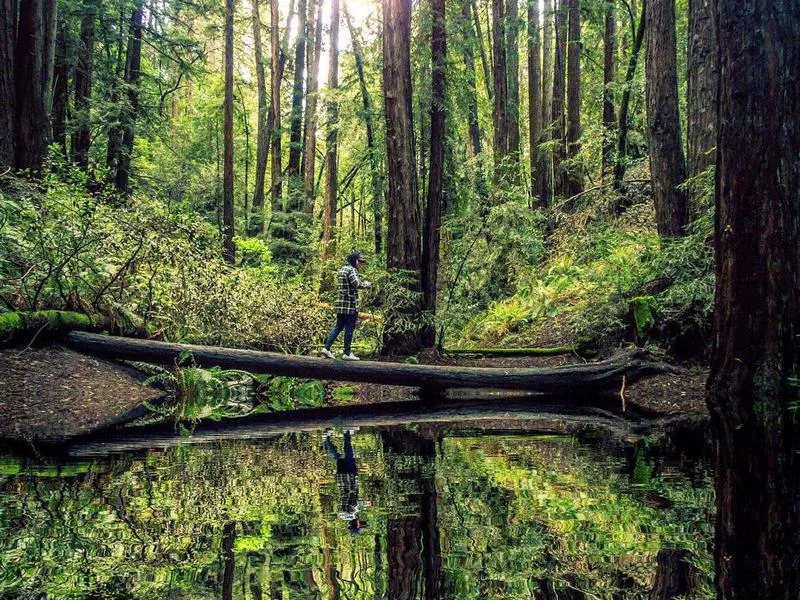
(575, 172)
(752, 389)
(228, 251)
(609, 74)
(403, 218)
(61, 74)
(433, 207)
(500, 77)
(402, 541)
(7, 88)
(310, 135)
(545, 171)
(622, 135)
(512, 59)
(276, 75)
(667, 167)
(296, 128)
(331, 141)
(30, 121)
(559, 85)
(534, 94)
(132, 76)
(81, 138)
(701, 88)
(469, 65)
(487, 78)
(227, 559)
(263, 136)
(374, 158)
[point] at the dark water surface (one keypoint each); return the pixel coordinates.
(444, 513)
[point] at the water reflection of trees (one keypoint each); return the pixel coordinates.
(450, 518)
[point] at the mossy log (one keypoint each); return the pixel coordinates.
(39, 325)
(588, 377)
(554, 351)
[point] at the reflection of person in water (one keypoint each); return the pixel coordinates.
(346, 481)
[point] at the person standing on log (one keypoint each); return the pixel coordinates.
(347, 305)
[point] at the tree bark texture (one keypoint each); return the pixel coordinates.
(667, 166)
(622, 129)
(559, 88)
(609, 74)
(403, 218)
(263, 136)
(433, 207)
(575, 172)
(472, 91)
(512, 58)
(276, 75)
(331, 140)
(296, 128)
(374, 158)
(81, 138)
(30, 121)
(752, 389)
(7, 88)
(228, 250)
(701, 88)
(534, 94)
(310, 135)
(545, 171)
(132, 78)
(403, 545)
(500, 77)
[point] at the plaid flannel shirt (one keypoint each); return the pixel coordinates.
(347, 298)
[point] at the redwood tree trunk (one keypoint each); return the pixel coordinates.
(609, 74)
(534, 93)
(403, 244)
(433, 207)
(30, 121)
(296, 128)
(559, 85)
(701, 88)
(310, 135)
(667, 167)
(81, 138)
(500, 76)
(262, 143)
(752, 389)
(7, 89)
(575, 173)
(132, 76)
(276, 74)
(227, 205)
(331, 141)
(546, 155)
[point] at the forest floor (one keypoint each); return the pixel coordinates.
(51, 394)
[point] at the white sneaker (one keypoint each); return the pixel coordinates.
(327, 353)
(350, 356)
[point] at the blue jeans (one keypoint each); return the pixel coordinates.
(346, 322)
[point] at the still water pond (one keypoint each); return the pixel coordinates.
(426, 514)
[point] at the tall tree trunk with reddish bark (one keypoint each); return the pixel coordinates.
(227, 203)
(545, 170)
(331, 140)
(132, 78)
(575, 172)
(667, 167)
(276, 73)
(403, 219)
(433, 207)
(500, 77)
(263, 136)
(81, 138)
(7, 88)
(609, 74)
(310, 134)
(753, 386)
(534, 94)
(296, 126)
(701, 88)
(30, 120)
(559, 86)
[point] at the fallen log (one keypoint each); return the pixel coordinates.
(554, 351)
(596, 376)
(553, 417)
(28, 326)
